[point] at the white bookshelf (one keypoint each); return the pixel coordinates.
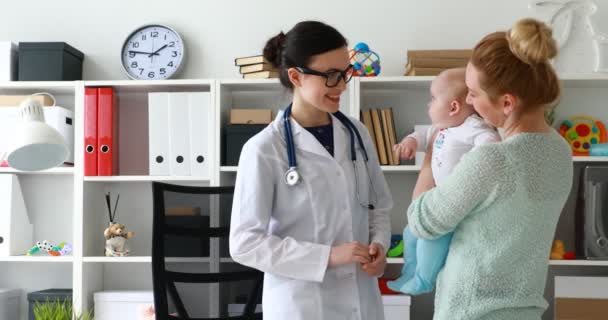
(66, 206)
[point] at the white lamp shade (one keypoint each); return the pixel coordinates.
(37, 146)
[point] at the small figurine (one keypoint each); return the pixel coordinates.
(116, 239)
(115, 234)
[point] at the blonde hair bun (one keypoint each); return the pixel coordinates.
(531, 41)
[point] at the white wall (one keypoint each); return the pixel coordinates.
(218, 31)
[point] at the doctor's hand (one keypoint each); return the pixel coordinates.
(376, 267)
(352, 252)
(406, 149)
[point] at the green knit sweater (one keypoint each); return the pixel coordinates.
(502, 202)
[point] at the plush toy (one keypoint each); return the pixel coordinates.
(116, 240)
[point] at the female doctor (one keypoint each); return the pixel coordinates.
(311, 206)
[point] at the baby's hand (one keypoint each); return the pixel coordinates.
(406, 149)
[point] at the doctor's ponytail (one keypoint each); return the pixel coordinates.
(296, 47)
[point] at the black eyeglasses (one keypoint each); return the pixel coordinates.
(332, 78)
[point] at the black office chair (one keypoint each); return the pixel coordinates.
(200, 233)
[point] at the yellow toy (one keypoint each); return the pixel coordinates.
(558, 252)
(582, 132)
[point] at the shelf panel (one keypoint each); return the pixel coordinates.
(38, 259)
(142, 259)
(590, 159)
(145, 86)
(145, 179)
(229, 169)
(53, 171)
(582, 263)
(56, 87)
(400, 168)
(251, 84)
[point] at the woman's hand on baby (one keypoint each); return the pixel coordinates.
(376, 267)
(406, 149)
(352, 252)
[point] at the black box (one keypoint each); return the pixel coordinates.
(176, 246)
(50, 295)
(49, 61)
(235, 136)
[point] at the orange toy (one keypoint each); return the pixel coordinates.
(558, 252)
(581, 132)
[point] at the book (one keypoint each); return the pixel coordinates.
(256, 67)
(424, 71)
(261, 75)
(366, 118)
(244, 61)
(416, 62)
(379, 136)
(388, 141)
(451, 53)
(392, 134)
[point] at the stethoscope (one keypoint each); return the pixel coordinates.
(292, 177)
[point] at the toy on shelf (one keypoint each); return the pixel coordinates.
(396, 249)
(582, 132)
(366, 62)
(61, 250)
(115, 234)
(384, 289)
(558, 252)
(599, 150)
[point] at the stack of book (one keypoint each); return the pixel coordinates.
(256, 67)
(381, 127)
(433, 62)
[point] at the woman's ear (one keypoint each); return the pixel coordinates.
(509, 103)
(294, 77)
(455, 107)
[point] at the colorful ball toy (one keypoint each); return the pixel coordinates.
(366, 62)
(582, 132)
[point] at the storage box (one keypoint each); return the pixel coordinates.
(250, 116)
(581, 298)
(50, 295)
(9, 304)
(236, 309)
(112, 305)
(15, 101)
(57, 117)
(235, 137)
(8, 61)
(176, 246)
(396, 307)
(49, 61)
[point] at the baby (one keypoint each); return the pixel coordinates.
(456, 129)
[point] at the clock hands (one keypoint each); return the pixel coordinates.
(156, 52)
(141, 52)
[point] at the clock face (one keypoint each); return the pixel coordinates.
(152, 52)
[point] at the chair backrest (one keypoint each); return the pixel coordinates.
(181, 228)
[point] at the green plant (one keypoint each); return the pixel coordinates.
(58, 310)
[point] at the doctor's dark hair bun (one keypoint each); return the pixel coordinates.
(296, 47)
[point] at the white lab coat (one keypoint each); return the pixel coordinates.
(287, 232)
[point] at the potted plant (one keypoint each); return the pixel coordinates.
(58, 310)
